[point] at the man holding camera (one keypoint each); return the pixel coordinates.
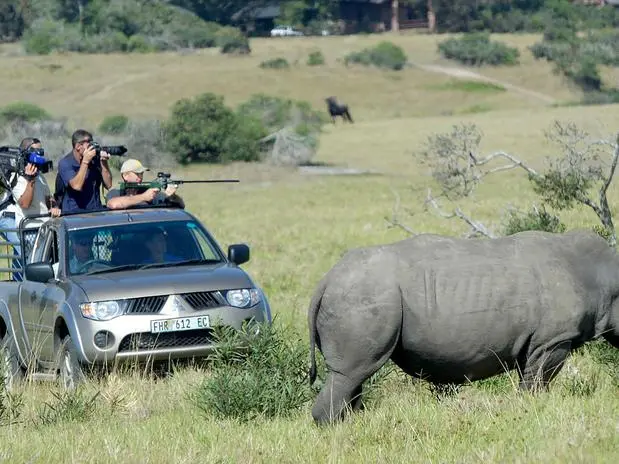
(30, 195)
(81, 173)
(132, 171)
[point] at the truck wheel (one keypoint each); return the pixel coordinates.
(11, 369)
(70, 371)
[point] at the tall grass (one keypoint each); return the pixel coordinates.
(298, 226)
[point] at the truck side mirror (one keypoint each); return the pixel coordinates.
(238, 253)
(39, 272)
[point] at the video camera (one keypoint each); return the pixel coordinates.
(14, 160)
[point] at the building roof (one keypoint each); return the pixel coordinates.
(261, 12)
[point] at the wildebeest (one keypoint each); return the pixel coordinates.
(337, 109)
(452, 310)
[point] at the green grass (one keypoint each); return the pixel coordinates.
(468, 86)
(298, 226)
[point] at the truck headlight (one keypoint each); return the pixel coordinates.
(102, 310)
(243, 298)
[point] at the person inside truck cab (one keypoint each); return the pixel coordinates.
(80, 252)
(157, 243)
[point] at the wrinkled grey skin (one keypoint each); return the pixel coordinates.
(452, 310)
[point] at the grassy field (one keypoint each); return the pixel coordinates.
(298, 226)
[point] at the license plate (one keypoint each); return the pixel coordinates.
(179, 324)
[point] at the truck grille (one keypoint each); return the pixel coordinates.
(154, 304)
(150, 341)
(202, 300)
(146, 305)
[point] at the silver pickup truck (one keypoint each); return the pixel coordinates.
(106, 287)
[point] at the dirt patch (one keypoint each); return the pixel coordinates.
(460, 73)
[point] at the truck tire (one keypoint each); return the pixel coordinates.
(70, 372)
(11, 370)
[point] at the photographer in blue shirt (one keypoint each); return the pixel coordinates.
(81, 173)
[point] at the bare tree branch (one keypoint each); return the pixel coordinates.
(394, 221)
(477, 228)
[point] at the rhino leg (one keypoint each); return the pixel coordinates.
(351, 358)
(543, 364)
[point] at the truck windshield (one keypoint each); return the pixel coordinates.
(137, 245)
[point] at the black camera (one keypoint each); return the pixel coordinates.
(114, 150)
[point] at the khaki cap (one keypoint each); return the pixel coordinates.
(133, 165)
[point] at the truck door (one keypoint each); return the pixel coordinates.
(39, 301)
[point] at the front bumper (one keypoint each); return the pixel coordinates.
(128, 338)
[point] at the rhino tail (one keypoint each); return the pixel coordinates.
(312, 316)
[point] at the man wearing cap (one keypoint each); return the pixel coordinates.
(133, 171)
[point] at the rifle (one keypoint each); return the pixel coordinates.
(163, 180)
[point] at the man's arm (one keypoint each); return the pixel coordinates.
(122, 202)
(77, 182)
(24, 194)
(23, 191)
(106, 174)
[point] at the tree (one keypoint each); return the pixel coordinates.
(581, 175)
(395, 15)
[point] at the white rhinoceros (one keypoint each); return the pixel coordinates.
(453, 310)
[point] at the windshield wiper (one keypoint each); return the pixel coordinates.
(180, 263)
(113, 269)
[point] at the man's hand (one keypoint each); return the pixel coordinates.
(170, 190)
(88, 155)
(31, 170)
(149, 195)
(104, 157)
(55, 212)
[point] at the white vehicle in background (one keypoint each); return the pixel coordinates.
(282, 31)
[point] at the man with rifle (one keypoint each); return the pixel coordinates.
(135, 192)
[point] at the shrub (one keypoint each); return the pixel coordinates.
(18, 112)
(115, 124)
(315, 58)
(232, 41)
(204, 129)
(275, 63)
(263, 376)
(384, 55)
(297, 124)
(477, 49)
(534, 219)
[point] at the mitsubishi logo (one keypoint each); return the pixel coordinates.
(173, 306)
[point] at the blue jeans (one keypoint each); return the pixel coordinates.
(9, 223)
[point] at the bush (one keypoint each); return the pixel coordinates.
(477, 49)
(232, 41)
(19, 112)
(252, 377)
(534, 219)
(315, 58)
(275, 63)
(384, 55)
(204, 129)
(115, 124)
(125, 26)
(297, 123)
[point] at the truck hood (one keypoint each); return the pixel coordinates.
(162, 281)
